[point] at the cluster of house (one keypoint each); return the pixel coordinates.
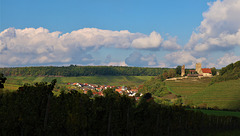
(98, 89)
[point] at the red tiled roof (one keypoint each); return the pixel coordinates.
(206, 70)
(98, 93)
(134, 90)
(118, 90)
(94, 93)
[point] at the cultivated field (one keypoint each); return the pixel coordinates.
(219, 112)
(224, 95)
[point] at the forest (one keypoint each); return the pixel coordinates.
(34, 110)
(74, 70)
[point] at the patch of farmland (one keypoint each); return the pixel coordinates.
(224, 95)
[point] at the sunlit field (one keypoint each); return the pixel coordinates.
(224, 95)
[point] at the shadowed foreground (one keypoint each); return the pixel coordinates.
(33, 110)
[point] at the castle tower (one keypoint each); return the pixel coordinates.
(199, 68)
(183, 70)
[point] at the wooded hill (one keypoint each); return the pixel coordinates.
(74, 70)
(230, 72)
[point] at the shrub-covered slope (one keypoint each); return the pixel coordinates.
(230, 72)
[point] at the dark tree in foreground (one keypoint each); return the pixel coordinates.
(2, 80)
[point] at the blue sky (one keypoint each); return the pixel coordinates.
(158, 33)
(164, 16)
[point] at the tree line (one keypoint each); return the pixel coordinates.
(74, 70)
(34, 110)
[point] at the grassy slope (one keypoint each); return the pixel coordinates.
(223, 94)
(219, 113)
(188, 87)
(13, 82)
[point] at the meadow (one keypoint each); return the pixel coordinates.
(218, 112)
(223, 95)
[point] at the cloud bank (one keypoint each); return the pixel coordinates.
(183, 58)
(220, 28)
(137, 59)
(218, 32)
(40, 46)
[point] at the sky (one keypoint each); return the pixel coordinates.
(142, 33)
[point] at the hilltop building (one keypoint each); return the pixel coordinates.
(199, 68)
(199, 71)
(183, 71)
(205, 72)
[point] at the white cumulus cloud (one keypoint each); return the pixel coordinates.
(40, 46)
(121, 63)
(96, 38)
(220, 29)
(227, 59)
(30, 46)
(138, 59)
(152, 41)
(171, 44)
(183, 58)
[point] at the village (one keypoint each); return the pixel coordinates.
(97, 90)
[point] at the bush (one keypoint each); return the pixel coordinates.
(203, 106)
(215, 108)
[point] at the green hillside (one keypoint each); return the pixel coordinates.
(224, 95)
(218, 112)
(188, 87)
(222, 91)
(230, 72)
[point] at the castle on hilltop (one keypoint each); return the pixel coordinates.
(199, 71)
